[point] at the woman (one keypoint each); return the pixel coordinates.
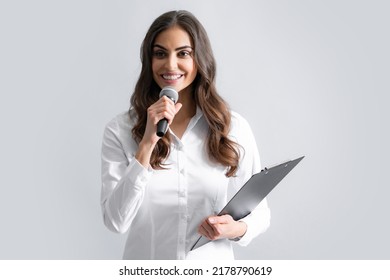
(166, 191)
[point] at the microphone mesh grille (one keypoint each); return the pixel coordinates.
(170, 93)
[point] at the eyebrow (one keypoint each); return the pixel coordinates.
(177, 49)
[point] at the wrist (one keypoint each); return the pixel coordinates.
(241, 230)
(144, 153)
(146, 146)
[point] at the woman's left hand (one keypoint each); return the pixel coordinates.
(218, 227)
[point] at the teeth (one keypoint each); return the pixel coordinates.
(172, 77)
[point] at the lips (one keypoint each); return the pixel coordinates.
(171, 77)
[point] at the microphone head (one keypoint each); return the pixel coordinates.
(171, 93)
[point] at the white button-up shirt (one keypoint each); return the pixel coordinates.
(162, 209)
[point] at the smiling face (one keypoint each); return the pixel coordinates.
(172, 62)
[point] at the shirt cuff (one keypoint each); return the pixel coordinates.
(247, 237)
(137, 174)
(257, 222)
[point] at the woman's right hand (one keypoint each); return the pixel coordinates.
(163, 108)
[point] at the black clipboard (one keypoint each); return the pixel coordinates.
(253, 192)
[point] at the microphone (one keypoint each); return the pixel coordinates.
(162, 125)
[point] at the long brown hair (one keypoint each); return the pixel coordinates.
(216, 112)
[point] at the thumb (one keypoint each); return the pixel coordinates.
(178, 107)
(224, 219)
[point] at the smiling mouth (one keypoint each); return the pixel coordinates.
(171, 77)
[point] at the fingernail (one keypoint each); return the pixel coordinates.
(211, 220)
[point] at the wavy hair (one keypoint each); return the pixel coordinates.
(216, 111)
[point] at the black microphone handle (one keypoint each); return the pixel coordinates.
(172, 94)
(162, 127)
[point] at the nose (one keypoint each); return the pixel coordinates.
(171, 62)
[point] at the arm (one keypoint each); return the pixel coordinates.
(124, 180)
(163, 108)
(258, 221)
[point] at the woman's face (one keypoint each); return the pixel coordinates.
(172, 63)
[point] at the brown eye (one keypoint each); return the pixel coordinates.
(159, 54)
(184, 53)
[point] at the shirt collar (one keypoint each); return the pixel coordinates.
(194, 120)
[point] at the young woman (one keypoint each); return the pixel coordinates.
(167, 191)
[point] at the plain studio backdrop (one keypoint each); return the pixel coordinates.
(311, 77)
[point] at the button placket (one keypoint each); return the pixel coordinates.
(182, 200)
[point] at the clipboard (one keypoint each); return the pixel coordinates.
(252, 193)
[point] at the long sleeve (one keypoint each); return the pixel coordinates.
(259, 220)
(162, 209)
(123, 181)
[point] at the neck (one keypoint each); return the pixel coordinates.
(188, 109)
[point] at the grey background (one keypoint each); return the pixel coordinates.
(311, 77)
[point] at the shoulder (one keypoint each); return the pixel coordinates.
(240, 131)
(239, 125)
(122, 121)
(117, 133)
(242, 134)
(120, 126)
(236, 117)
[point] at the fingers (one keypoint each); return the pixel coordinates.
(224, 219)
(208, 231)
(178, 107)
(163, 108)
(216, 227)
